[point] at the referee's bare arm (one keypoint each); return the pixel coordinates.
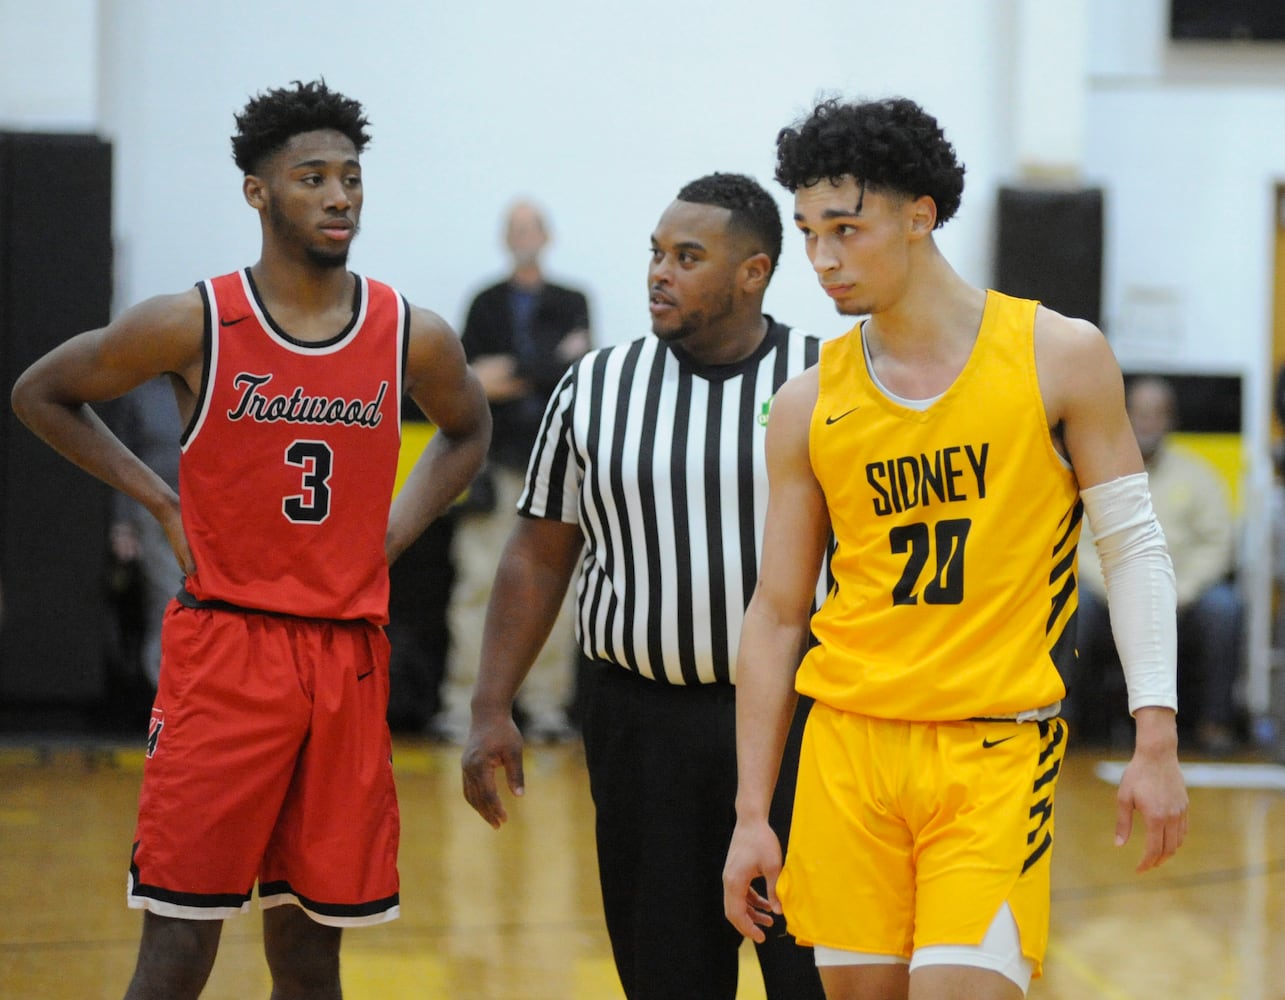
(535, 569)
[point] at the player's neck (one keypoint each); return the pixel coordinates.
(938, 312)
(309, 302)
(304, 286)
(918, 348)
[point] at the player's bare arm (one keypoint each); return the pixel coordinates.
(535, 568)
(773, 639)
(443, 386)
(1084, 394)
(162, 335)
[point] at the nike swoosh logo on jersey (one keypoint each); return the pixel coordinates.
(232, 322)
(832, 419)
(362, 677)
(987, 744)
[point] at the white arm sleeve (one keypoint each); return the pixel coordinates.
(1141, 594)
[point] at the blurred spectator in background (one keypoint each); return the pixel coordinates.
(1192, 505)
(141, 572)
(520, 336)
(141, 557)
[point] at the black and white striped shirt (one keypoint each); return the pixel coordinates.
(660, 461)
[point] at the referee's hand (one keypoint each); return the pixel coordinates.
(492, 742)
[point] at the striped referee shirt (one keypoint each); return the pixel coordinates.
(660, 460)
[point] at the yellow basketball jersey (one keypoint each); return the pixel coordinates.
(956, 531)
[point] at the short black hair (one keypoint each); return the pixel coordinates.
(272, 119)
(755, 213)
(890, 145)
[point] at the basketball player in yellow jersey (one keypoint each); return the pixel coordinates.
(951, 441)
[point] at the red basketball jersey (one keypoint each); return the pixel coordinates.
(287, 468)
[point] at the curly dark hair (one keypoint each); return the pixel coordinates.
(272, 119)
(889, 145)
(755, 214)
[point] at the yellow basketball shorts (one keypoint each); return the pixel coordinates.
(909, 834)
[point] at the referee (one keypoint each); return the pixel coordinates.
(650, 475)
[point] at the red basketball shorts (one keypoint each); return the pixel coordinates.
(269, 759)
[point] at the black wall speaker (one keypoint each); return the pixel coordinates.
(1221, 20)
(1049, 247)
(55, 281)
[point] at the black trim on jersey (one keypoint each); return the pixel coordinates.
(1063, 651)
(405, 337)
(1062, 567)
(774, 335)
(308, 344)
(1077, 514)
(1060, 600)
(207, 352)
(367, 909)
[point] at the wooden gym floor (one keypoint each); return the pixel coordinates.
(515, 914)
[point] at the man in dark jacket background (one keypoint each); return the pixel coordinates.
(520, 336)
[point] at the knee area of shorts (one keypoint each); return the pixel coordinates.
(999, 951)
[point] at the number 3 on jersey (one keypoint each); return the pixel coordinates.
(312, 506)
(947, 583)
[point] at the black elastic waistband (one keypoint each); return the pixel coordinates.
(188, 601)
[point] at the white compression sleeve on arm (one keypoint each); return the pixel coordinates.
(1141, 594)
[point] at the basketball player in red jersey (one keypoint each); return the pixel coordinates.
(268, 752)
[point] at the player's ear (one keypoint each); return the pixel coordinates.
(923, 216)
(254, 191)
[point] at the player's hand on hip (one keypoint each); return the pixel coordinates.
(754, 852)
(492, 743)
(172, 522)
